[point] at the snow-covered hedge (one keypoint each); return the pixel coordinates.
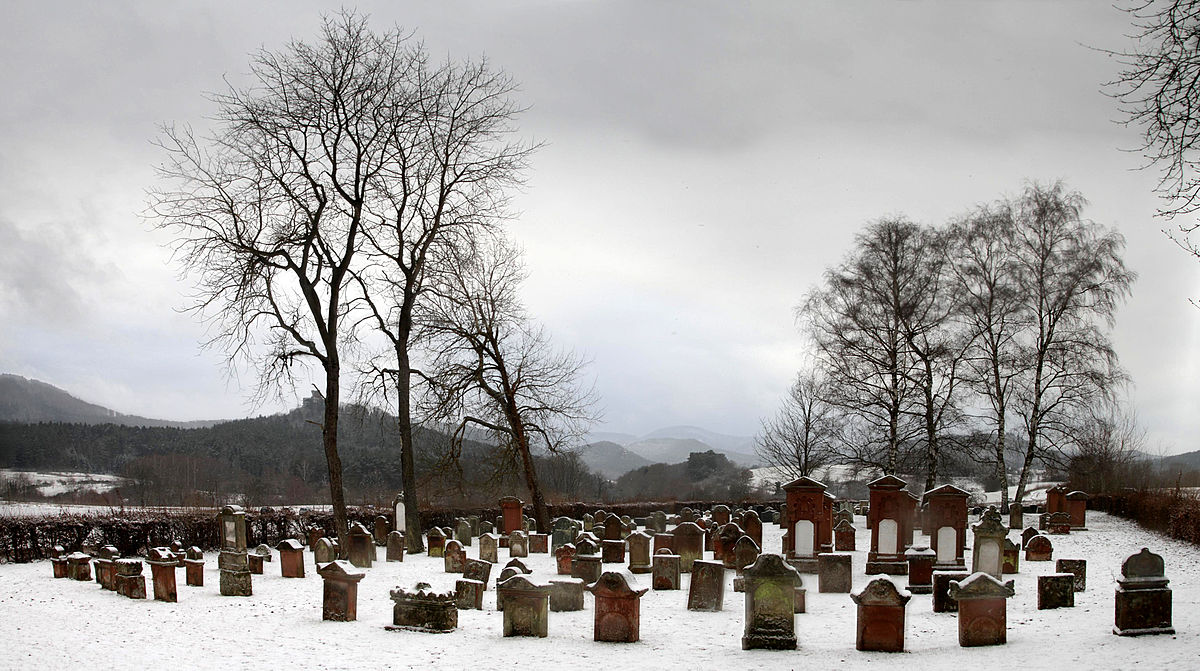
(1175, 513)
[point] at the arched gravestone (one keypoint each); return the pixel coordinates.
(770, 604)
(1143, 601)
(988, 554)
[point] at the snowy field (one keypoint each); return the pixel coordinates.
(48, 623)
(55, 483)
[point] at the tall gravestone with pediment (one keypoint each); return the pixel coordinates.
(770, 604)
(947, 526)
(988, 552)
(881, 607)
(232, 560)
(1143, 603)
(890, 519)
(618, 608)
(806, 514)
(982, 609)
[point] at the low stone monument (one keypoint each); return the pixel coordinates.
(920, 569)
(612, 551)
(454, 557)
(193, 567)
(1077, 568)
(422, 609)
(1056, 590)
(770, 604)
(1039, 548)
(564, 555)
(665, 572)
(362, 546)
(1059, 523)
(324, 551)
(477, 569)
(339, 600)
(130, 581)
(162, 573)
(707, 589)
(395, 546)
(586, 567)
(435, 540)
(566, 594)
(489, 544)
(688, 543)
(468, 593)
(942, 602)
(618, 608)
(539, 543)
(881, 607)
(834, 574)
(1012, 557)
(982, 603)
(518, 544)
(639, 552)
(1143, 603)
(526, 606)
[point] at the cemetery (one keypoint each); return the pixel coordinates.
(735, 605)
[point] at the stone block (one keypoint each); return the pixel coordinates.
(1056, 590)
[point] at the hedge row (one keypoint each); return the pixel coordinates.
(1174, 513)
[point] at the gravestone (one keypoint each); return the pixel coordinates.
(526, 606)
(130, 581)
(232, 562)
(639, 552)
(422, 609)
(564, 555)
(1028, 533)
(518, 544)
(381, 529)
(539, 543)
(586, 567)
(612, 551)
(1056, 590)
(806, 514)
(1077, 568)
(890, 520)
(488, 547)
(1059, 523)
(1012, 557)
(942, 602)
(663, 541)
(339, 601)
(618, 608)
(920, 569)
(256, 557)
(435, 540)
(399, 519)
(727, 536)
(586, 546)
(982, 609)
(1076, 509)
(566, 594)
(688, 543)
(1039, 548)
(162, 573)
(665, 573)
(395, 546)
(947, 526)
(562, 532)
(988, 552)
(770, 604)
(1016, 517)
(834, 573)
(843, 536)
(720, 514)
(1143, 603)
(511, 511)
(745, 552)
(751, 524)
(462, 533)
(291, 558)
(881, 607)
(362, 546)
(468, 594)
(707, 589)
(477, 569)
(193, 567)
(323, 551)
(454, 557)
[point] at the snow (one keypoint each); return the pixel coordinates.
(55, 483)
(64, 622)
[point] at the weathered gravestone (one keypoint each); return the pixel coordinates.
(726, 537)
(526, 607)
(395, 546)
(291, 558)
(612, 551)
(881, 608)
(381, 529)
(707, 589)
(339, 590)
(942, 602)
(477, 569)
(193, 567)
(539, 543)
(688, 543)
(618, 608)
(422, 609)
(751, 524)
(511, 510)
(806, 515)
(130, 581)
(106, 570)
(454, 556)
(1076, 503)
(562, 532)
(639, 552)
(566, 594)
(256, 557)
(162, 573)
(362, 546)
(1056, 590)
(58, 560)
(1143, 602)
(518, 544)
(843, 536)
(1059, 523)
(982, 603)
(920, 569)
(1039, 548)
(488, 547)
(462, 533)
(586, 567)
(324, 551)
(834, 573)
(1077, 568)
(232, 561)
(1028, 533)
(665, 573)
(435, 539)
(1016, 516)
(720, 514)
(1012, 557)
(770, 604)
(988, 552)
(564, 555)
(745, 552)
(468, 594)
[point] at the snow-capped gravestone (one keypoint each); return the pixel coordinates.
(1076, 508)
(162, 573)
(586, 567)
(639, 552)
(566, 594)
(435, 540)
(324, 551)
(1077, 568)
(255, 559)
(988, 551)
(982, 609)
(130, 581)
(395, 546)
(1012, 557)
(843, 536)
(1059, 523)
(564, 555)
(488, 547)
(381, 528)
(1039, 548)
(707, 589)
(291, 558)
(806, 515)
(942, 602)
(339, 600)
(720, 514)
(193, 567)
(612, 551)
(313, 534)
(665, 573)
(106, 570)
(688, 543)
(454, 557)
(881, 607)
(1028, 533)
(890, 518)
(58, 561)
(834, 573)
(584, 545)
(726, 537)
(745, 552)
(947, 526)
(518, 544)
(1143, 601)
(526, 606)
(232, 561)
(1056, 590)
(618, 608)
(770, 604)
(539, 543)
(462, 533)
(422, 609)
(362, 546)
(563, 531)
(920, 569)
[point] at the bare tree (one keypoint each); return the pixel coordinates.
(985, 281)
(1071, 279)
(802, 436)
(1106, 449)
(498, 371)
(1157, 93)
(269, 209)
(449, 177)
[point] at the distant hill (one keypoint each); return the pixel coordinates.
(610, 459)
(673, 444)
(30, 401)
(721, 442)
(1186, 461)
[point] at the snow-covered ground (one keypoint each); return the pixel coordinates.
(61, 623)
(54, 483)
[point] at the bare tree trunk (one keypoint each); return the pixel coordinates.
(521, 441)
(932, 454)
(414, 539)
(1001, 469)
(329, 428)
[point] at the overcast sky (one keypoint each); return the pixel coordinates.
(704, 164)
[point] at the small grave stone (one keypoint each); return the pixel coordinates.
(599, 530)
(313, 534)
(1012, 557)
(162, 573)
(770, 604)
(324, 552)
(362, 546)
(1077, 568)
(468, 594)
(589, 521)
(539, 543)
(422, 609)
(462, 533)
(518, 544)
(745, 552)
(130, 581)
(435, 539)
(106, 570)
(519, 565)
(339, 600)
(381, 529)
(612, 551)
(724, 541)
(1143, 603)
(564, 555)
(843, 536)
(526, 607)
(834, 573)
(663, 541)
(720, 514)
(1076, 509)
(665, 573)
(256, 557)
(193, 567)
(1028, 533)
(920, 569)
(585, 546)
(454, 557)
(1044, 522)
(477, 569)
(486, 527)
(58, 561)
(982, 603)
(505, 574)
(942, 602)
(395, 546)
(1059, 523)
(566, 594)
(881, 608)
(488, 547)
(1016, 518)
(688, 544)
(586, 567)
(291, 558)
(639, 552)
(1039, 548)
(618, 608)
(1056, 590)
(751, 524)
(707, 589)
